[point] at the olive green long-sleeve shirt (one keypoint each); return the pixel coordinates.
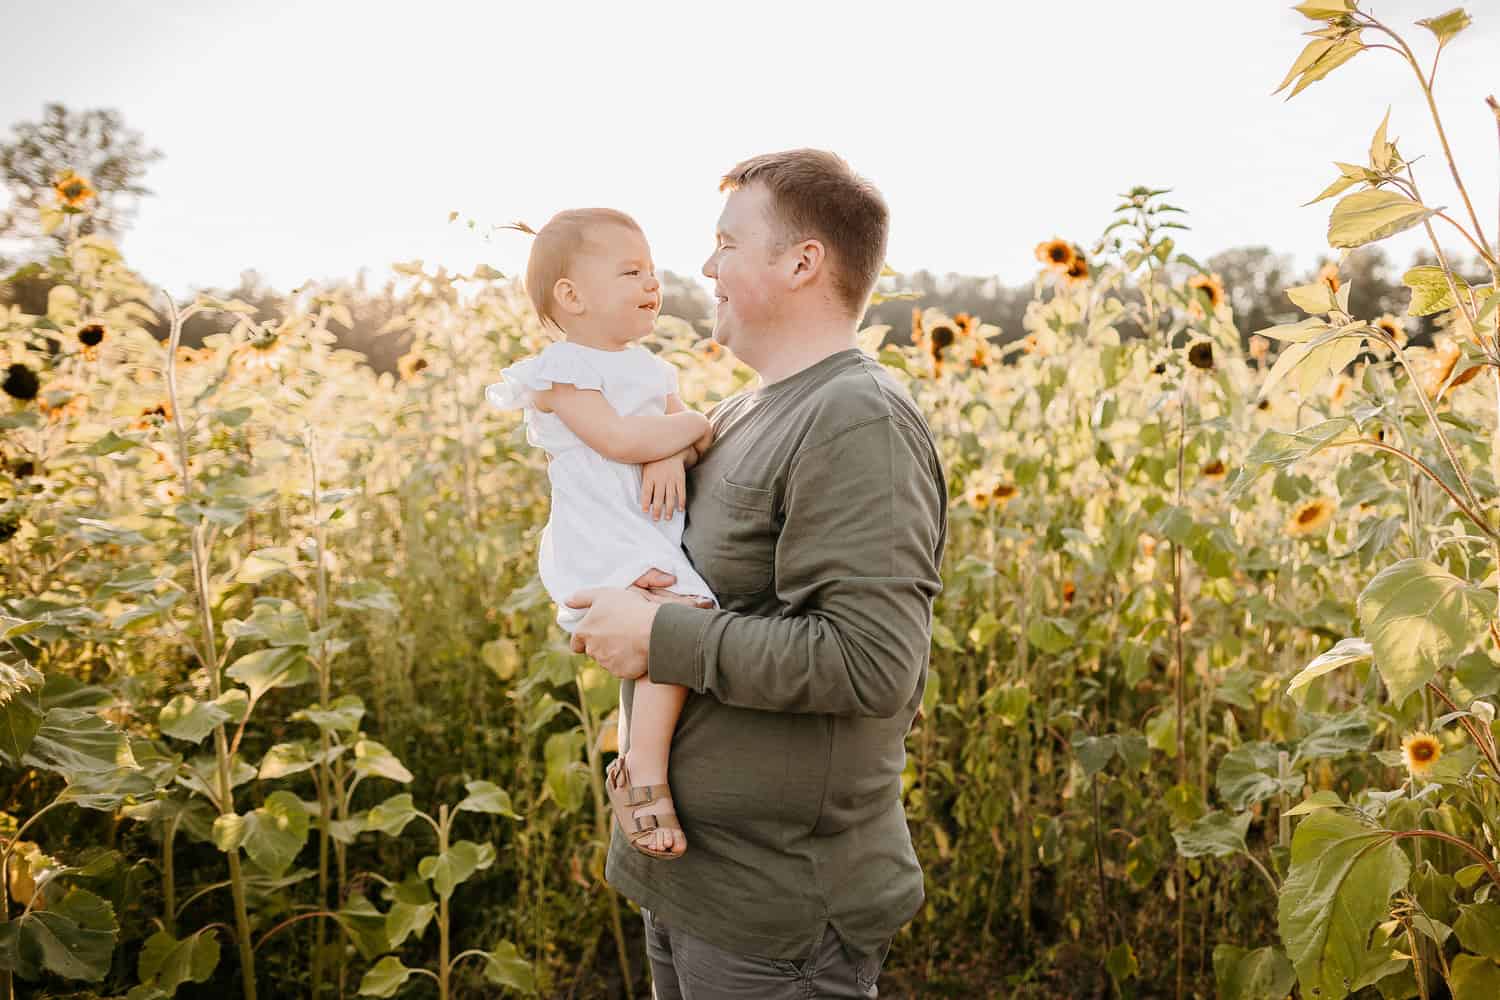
(819, 518)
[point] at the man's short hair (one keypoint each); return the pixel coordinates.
(557, 245)
(815, 195)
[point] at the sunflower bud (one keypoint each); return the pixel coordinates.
(1483, 710)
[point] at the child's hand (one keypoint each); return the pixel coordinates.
(664, 487)
(704, 441)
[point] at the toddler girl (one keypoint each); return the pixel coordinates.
(602, 406)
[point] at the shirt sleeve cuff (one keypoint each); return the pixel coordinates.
(675, 653)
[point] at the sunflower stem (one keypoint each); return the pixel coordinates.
(211, 662)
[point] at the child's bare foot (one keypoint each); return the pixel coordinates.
(663, 838)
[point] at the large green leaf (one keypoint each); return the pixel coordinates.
(265, 669)
(1366, 216)
(284, 759)
(454, 866)
(365, 926)
(1217, 834)
(1342, 876)
(1344, 652)
(487, 797)
(412, 908)
(384, 978)
(1445, 26)
(272, 834)
(20, 718)
(391, 816)
(274, 620)
(166, 963)
(1478, 929)
(504, 966)
(74, 741)
(187, 718)
(73, 937)
(1430, 289)
(1418, 618)
(1262, 974)
(1475, 978)
(342, 715)
(1248, 774)
(1336, 736)
(373, 759)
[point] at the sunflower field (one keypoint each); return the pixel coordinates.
(284, 713)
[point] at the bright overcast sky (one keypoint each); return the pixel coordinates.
(310, 139)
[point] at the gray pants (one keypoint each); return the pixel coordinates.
(684, 967)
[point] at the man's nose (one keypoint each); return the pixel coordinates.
(709, 271)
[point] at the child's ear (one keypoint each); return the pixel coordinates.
(566, 295)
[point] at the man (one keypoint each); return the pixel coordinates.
(819, 517)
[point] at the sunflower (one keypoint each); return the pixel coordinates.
(1310, 517)
(153, 416)
(62, 400)
(168, 491)
(1338, 393)
(1215, 470)
(91, 336)
(1212, 286)
(266, 350)
(1392, 327)
(1421, 751)
(1031, 344)
(410, 366)
(1069, 591)
(72, 190)
(1328, 274)
(21, 382)
(1077, 272)
(1434, 365)
(982, 356)
(1056, 253)
(966, 325)
(1004, 492)
(189, 356)
(1201, 355)
(978, 496)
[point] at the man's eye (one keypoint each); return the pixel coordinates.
(632, 272)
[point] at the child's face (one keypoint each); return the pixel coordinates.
(616, 281)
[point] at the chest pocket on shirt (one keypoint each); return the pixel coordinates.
(743, 554)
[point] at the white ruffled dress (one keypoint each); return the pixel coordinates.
(597, 534)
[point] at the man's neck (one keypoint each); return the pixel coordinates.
(804, 352)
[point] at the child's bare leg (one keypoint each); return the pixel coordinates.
(653, 718)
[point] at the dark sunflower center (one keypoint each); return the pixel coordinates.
(1201, 356)
(21, 382)
(1307, 515)
(91, 335)
(1423, 752)
(942, 337)
(1057, 253)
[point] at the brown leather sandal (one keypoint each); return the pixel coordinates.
(625, 799)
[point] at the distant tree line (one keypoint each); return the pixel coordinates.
(114, 158)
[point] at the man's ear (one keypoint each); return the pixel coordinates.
(567, 297)
(808, 260)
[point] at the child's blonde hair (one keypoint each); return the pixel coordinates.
(554, 248)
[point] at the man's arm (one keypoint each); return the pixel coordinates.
(857, 566)
(623, 439)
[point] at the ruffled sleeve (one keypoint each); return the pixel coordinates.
(557, 363)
